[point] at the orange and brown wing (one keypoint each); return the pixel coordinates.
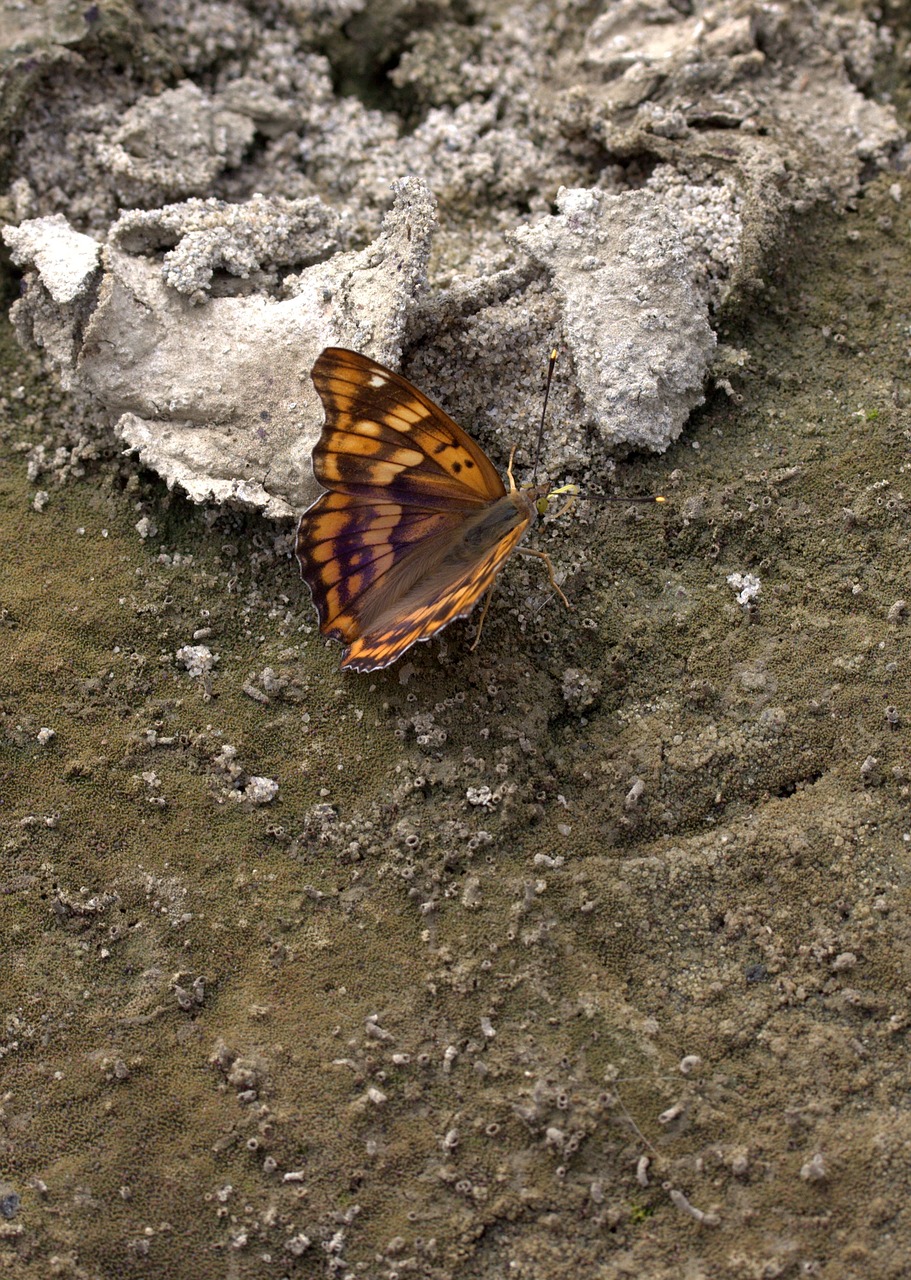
(402, 480)
(428, 609)
(382, 433)
(348, 546)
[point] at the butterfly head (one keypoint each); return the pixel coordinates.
(546, 495)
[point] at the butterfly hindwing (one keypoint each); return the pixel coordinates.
(428, 612)
(346, 545)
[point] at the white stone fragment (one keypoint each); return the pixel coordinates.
(257, 790)
(65, 259)
(815, 1170)
(198, 659)
(746, 586)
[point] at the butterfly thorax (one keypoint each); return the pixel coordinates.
(493, 522)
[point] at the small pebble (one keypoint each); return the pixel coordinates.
(692, 1062)
(815, 1170)
(9, 1201)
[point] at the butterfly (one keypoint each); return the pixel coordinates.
(415, 523)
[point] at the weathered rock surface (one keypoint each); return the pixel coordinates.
(213, 392)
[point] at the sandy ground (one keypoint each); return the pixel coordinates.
(584, 954)
(440, 1037)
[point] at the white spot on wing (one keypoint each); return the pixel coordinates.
(377, 380)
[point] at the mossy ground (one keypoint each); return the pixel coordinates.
(459, 1022)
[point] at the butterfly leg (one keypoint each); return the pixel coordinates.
(567, 505)
(512, 481)
(474, 644)
(542, 555)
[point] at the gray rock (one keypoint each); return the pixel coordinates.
(217, 398)
(175, 143)
(634, 319)
(246, 241)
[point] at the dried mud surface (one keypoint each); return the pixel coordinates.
(532, 940)
(582, 954)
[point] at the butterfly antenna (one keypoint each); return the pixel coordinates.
(550, 378)
(603, 497)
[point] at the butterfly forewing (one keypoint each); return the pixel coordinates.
(381, 432)
(416, 523)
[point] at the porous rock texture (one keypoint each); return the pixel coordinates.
(634, 164)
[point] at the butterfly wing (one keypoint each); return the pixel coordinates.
(348, 548)
(428, 610)
(382, 551)
(382, 433)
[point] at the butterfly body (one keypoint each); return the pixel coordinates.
(493, 523)
(416, 522)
